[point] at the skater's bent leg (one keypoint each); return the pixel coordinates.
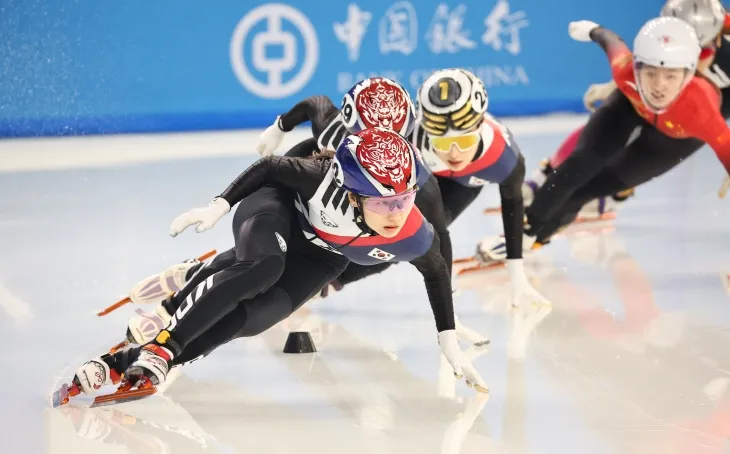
(604, 184)
(261, 227)
(308, 269)
(566, 148)
(201, 273)
(250, 318)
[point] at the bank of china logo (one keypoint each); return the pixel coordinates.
(249, 57)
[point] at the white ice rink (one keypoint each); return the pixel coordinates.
(633, 358)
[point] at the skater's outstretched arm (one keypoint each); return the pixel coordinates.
(302, 175)
(303, 149)
(603, 137)
(318, 109)
(435, 272)
(513, 209)
(703, 102)
(618, 53)
(430, 203)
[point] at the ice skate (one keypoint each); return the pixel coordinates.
(150, 368)
(142, 328)
(142, 377)
(93, 375)
(155, 288)
(491, 254)
(603, 208)
(530, 186)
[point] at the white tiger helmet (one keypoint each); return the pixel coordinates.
(451, 102)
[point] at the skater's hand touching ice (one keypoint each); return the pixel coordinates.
(204, 218)
(270, 139)
(522, 290)
(459, 361)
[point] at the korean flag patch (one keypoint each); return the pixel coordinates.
(380, 255)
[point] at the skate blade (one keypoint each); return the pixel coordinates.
(494, 210)
(60, 397)
(121, 397)
(64, 394)
(480, 267)
(588, 220)
(464, 260)
(722, 192)
(119, 346)
(126, 300)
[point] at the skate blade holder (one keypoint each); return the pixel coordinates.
(471, 264)
(127, 300)
(121, 397)
(64, 394)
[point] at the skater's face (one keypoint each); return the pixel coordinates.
(661, 86)
(386, 215)
(456, 152)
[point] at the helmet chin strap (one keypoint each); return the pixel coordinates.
(360, 217)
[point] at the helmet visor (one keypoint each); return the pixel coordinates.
(463, 143)
(390, 205)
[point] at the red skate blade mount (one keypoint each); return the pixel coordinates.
(471, 264)
(121, 397)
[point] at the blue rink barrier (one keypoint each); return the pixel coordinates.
(89, 67)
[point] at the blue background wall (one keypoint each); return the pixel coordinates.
(82, 66)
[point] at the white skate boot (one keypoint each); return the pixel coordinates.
(493, 250)
(145, 326)
(155, 288)
(95, 374)
(150, 368)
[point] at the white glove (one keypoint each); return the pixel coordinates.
(270, 139)
(597, 93)
(470, 335)
(205, 217)
(581, 30)
(459, 362)
(522, 290)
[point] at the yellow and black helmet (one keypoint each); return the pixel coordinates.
(451, 102)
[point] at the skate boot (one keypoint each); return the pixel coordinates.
(491, 253)
(155, 288)
(531, 185)
(150, 369)
(93, 375)
(603, 208)
(142, 328)
(493, 250)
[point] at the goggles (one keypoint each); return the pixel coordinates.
(393, 204)
(443, 144)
